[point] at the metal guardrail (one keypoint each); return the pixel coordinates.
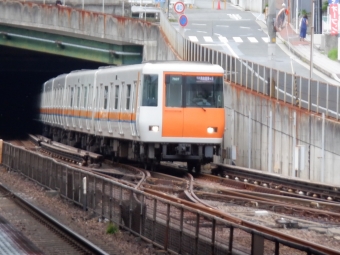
(287, 87)
(176, 228)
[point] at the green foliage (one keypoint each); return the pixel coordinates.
(324, 6)
(333, 54)
(264, 9)
(112, 229)
(303, 12)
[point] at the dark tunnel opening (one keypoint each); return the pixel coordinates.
(22, 74)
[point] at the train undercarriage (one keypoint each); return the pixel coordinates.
(148, 154)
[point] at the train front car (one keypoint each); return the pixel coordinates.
(182, 112)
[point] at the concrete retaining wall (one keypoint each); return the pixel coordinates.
(89, 24)
(308, 132)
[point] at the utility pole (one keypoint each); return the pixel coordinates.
(271, 28)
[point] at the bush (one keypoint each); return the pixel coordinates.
(324, 6)
(112, 229)
(333, 54)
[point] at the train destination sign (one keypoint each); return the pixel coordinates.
(179, 7)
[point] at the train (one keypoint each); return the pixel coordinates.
(149, 112)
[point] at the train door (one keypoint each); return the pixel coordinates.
(77, 107)
(110, 108)
(105, 105)
(84, 106)
(121, 112)
(134, 94)
(97, 109)
(58, 105)
(116, 108)
(72, 105)
(88, 107)
(173, 109)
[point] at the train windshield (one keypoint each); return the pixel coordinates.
(194, 91)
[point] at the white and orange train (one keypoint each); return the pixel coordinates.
(150, 112)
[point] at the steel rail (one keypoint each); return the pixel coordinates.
(232, 219)
(72, 236)
(277, 183)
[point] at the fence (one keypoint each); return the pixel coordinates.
(288, 87)
(170, 226)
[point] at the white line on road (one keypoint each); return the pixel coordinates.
(197, 24)
(193, 38)
(265, 39)
(208, 39)
(253, 39)
(238, 39)
(201, 32)
(245, 27)
(223, 39)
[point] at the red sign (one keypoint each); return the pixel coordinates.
(179, 7)
(333, 12)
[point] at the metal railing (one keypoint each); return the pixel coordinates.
(288, 87)
(176, 228)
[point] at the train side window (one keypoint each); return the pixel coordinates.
(71, 102)
(128, 96)
(78, 97)
(106, 92)
(173, 86)
(116, 96)
(85, 97)
(150, 90)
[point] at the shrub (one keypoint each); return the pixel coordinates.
(333, 54)
(324, 6)
(112, 229)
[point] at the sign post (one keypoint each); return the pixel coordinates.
(179, 8)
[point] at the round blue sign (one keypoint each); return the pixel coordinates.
(183, 20)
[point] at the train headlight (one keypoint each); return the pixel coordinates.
(211, 130)
(154, 128)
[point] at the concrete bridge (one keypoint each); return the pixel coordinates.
(265, 127)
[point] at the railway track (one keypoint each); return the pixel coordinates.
(47, 233)
(273, 184)
(158, 184)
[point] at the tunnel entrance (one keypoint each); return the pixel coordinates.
(22, 74)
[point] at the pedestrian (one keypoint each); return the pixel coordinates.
(303, 27)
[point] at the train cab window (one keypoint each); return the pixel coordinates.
(203, 91)
(150, 90)
(128, 96)
(116, 96)
(173, 86)
(106, 92)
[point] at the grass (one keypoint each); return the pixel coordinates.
(112, 229)
(333, 54)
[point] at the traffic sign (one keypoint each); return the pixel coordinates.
(179, 7)
(183, 20)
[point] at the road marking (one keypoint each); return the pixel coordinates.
(201, 32)
(238, 39)
(193, 38)
(245, 27)
(253, 39)
(223, 39)
(265, 39)
(197, 24)
(208, 39)
(222, 26)
(235, 16)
